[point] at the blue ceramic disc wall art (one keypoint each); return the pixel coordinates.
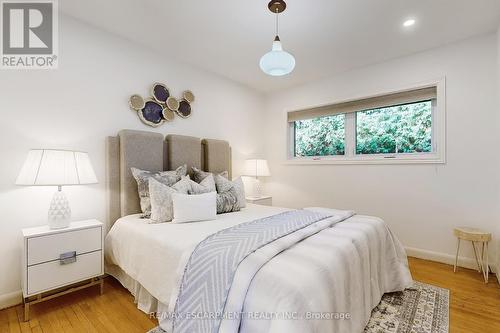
(160, 93)
(162, 106)
(184, 109)
(152, 113)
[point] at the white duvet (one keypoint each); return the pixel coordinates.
(328, 282)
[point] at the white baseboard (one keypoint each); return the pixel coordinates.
(11, 299)
(445, 258)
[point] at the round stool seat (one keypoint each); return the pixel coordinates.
(472, 234)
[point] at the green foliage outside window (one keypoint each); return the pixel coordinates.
(322, 136)
(397, 129)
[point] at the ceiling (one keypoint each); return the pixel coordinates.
(228, 37)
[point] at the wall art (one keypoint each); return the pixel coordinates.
(161, 106)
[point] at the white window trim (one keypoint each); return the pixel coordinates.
(438, 156)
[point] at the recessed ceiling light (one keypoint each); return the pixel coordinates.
(409, 23)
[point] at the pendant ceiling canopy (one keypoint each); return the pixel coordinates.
(277, 7)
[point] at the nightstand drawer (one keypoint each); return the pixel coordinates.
(51, 275)
(49, 247)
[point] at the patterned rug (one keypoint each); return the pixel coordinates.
(420, 309)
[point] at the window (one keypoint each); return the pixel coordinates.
(402, 127)
(398, 129)
(322, 136)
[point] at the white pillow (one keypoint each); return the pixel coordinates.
(193, 208)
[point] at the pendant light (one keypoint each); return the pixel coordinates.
(277, 62)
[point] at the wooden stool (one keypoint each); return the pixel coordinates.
(475, 236)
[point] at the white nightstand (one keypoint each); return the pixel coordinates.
(265, 200)
(54, 261)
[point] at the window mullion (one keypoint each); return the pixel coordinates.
(350, 134)
(433, 126)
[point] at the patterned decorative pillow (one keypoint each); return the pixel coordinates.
(183, 185)
(207, 185)
(223, 185)
(160, 196)
(227, 202)
(200, 175)
(240, 192)
(142, 177)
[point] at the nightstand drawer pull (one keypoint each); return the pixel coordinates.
(67, 258)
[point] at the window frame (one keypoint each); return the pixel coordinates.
(437, 156)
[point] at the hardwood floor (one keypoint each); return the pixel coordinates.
(82, 311)
(474, 306)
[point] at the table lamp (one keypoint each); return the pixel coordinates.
(256, 168)
(49, 167)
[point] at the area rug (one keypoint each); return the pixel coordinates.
(420, 309)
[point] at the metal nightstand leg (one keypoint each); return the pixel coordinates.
(101, 285)
(41, 298)
(26, 310)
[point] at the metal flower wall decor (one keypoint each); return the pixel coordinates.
(161, 106)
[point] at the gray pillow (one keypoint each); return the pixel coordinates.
(199, 175)
(183, 185)
(207, 185)
(227, 202)
(142, 177)
(240, 192)
(161, 198)
(223, 185)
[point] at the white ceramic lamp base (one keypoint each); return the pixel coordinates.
(59, 211)
(257, 188)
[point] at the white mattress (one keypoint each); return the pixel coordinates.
(150, 253)
(345, 268)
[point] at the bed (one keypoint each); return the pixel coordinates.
(325, 277)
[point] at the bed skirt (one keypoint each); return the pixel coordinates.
(146, 302)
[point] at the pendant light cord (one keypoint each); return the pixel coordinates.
(277, 23)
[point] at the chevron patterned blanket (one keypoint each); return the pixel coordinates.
(211, 268)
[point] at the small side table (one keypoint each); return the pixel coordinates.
(264, 200)
(475, 236)
(60, 261)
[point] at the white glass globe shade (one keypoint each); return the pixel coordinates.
(277, 62)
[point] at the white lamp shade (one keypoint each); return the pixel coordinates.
(256, 168)
(277, 62)
(46, 167)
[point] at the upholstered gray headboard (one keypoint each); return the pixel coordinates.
(152, 151)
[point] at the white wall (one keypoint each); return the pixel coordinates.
(85, 100)
(421, 203)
